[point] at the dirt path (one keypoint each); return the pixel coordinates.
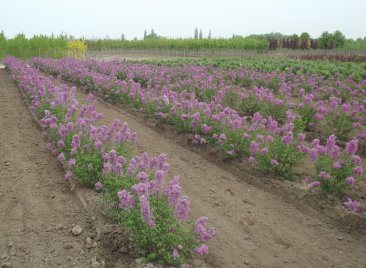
(254, 228)
(37, 208)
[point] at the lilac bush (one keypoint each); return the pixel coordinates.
(335, 169)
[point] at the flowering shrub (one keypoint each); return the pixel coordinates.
(241, 112)
(77, 48)
(335, 170)
(100, 156)
(279, 156)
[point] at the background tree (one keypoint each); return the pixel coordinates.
(314, 44)
(304, 40)
(152, 35)
(209, 35)
(123, 37)
(196, 33)
(273, 43)
(145, 34)
(2, 39)
(326, 40)
(201, 34)
(339, 39)
(294, 41)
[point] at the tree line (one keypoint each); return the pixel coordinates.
(151, 40)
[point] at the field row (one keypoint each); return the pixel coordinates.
(243, 113)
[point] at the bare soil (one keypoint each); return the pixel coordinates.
(256, 227)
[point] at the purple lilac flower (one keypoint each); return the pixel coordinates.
(173, 193)
(49, 147)
(251, 159)
(61, 157)
(143, 177)
(356, 159)
(205, 128)
(141, 189)
(314, 184)
(358, 170)
(351, 146)
(331, 141)
(159, 180)
(337, 165)
(204, 233)
(350, 180)
(182, 208)
(201, 250)
(90, 97)
(72, 162)
(254, 148)
(274, 162)
(131, 167)
(313, 153)
(146, 213)
(257, 117)
(315, 143)
(264, 151)
(288, 138)
(324, 175)
(98, 186)
(353, 205)
(335, 151)
(165, 167)
(60, 144)
(184, 117)
(222, 138)
(75, 143)
(126, 200)
(68, 175)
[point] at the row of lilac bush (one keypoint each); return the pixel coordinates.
(100, 156)
(330, 106)
(224, 128)
(273, 147)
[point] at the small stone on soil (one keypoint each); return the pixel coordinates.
(88, 242)
(77, 230)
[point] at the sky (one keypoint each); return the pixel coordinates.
(172, 18)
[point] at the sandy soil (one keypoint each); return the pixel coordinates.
(255, 228)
